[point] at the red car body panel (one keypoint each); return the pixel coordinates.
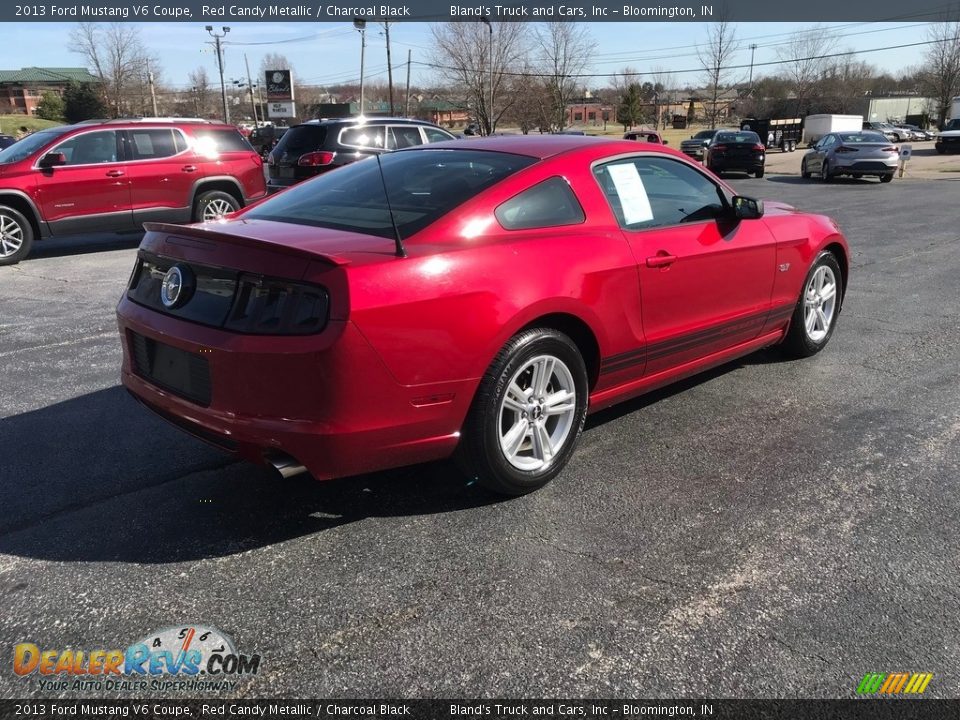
(392, 377)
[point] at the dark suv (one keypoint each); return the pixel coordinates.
(114, 175)
(321, 145)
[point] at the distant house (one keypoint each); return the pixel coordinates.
(442, 112)
(21, 90)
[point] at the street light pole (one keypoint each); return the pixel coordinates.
(753, 49)
(223, 87)
(489, 25)
(361, 26)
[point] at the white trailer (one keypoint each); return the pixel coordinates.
(816, 126)
(955, 109)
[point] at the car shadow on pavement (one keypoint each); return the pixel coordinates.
(99, 478)
(83, 244)
(837, 181)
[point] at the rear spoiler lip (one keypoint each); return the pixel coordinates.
(204, 232)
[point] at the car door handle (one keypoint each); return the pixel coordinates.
(114, 173)
(189, 168)
(661, 259)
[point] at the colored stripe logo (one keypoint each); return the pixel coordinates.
(894, 683)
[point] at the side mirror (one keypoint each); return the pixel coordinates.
(665, 142)
(52, 159)
(745, 208)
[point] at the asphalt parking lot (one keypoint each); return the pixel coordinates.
(769, 529)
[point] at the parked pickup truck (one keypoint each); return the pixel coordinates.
(948, 139)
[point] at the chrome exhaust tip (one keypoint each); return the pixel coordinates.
(284, 464)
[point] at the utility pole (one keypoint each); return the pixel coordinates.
(219, 47)
(406, 104)
(753, 49)
(386, 30)
(361, 26)
(153, 90)
(489, 25)
(253, 104)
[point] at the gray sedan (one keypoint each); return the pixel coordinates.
(851, 153)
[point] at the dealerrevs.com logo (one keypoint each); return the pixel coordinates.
(197, 657)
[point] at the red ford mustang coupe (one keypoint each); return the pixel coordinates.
(473, 299)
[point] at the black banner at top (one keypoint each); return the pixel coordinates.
(237, 11)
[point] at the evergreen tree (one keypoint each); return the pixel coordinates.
(82, 102)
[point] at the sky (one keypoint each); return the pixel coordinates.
(329, 53)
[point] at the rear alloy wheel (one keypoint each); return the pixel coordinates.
(16, 236)
(886, 178)
(213, 205)
(815, 315)
(528, 414)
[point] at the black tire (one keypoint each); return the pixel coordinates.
(797, 342)
(212, 197)
(886, 178)
(940, 150)
(803, 170)
(17, 237)
(857, 176)
(825, 175)
(793, 146)
(759, 173)
(480, 454)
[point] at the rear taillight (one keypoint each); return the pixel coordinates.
(715, 148)
(890, 149)
(315, 159)
(263, 306)
(845, 149)
(759, 148)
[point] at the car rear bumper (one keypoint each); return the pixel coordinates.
(744, 164)
(867, 167)
(327, 402)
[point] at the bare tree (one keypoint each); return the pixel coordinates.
(803, 61)
(940, 78)
(564, 50)
(461, 57)
(845, 81)
(716, 57)
(116, 55)
(276, 61)
(202, 94)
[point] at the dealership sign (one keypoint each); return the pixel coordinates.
(279, 85)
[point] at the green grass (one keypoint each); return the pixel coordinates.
(9, 124)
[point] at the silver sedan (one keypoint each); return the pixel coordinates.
(851, 153)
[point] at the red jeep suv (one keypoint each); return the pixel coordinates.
(115, 175)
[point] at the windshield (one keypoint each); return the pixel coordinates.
(424, 185)
(862, 137)
(26, 147)
(740, 137)
(704, 134)
(301, 139)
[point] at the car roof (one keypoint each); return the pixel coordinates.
(367, 121)
(544, 146)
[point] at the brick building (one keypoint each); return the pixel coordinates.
(22, 90)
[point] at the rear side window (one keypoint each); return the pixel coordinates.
(154, 143)
(423, 185)
(402, 136)
(364, 136)
(301, 139)
(547, 204)
(221, 141)
(434, 135)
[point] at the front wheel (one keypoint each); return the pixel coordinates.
(815, 315)
(804, 173)
(16, 236)
(527, 415)
(213, 205)
(886, 178)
